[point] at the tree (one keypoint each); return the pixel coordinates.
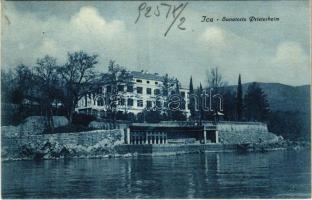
(257, 106)
(22, 91)
(23, 83)
(239, 99)
(78, 79)
(7, 85)
(215, 79)
(48, 89)
(8, 110)
(176, 104)
(200, 96)
(229, 109)
(192, 99)
(116, 76)
(152, 116)
(216, 88)
(167, 88)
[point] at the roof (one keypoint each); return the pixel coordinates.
(147, 75)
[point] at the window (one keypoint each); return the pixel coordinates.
(100, 102)
(148, 91)
(121, 102)
(156, 83)
(130, 102)
(140, 103)
(158, 104)
(129, 88)
(99, 90)
(120, 88)
(139, 90)
(149, 104)
(157, 91)
(109, 88)
(147, 82)
(139, 80)
(183, 94)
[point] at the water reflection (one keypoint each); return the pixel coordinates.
(213, 175)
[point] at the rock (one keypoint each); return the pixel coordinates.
(88, 144)
(33, 125)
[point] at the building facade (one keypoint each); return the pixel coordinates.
(144, 93)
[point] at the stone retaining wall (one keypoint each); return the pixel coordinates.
(243, 127)
(245, 132)
(33, 125)
(81, 142)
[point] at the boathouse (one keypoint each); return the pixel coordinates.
(170, 133)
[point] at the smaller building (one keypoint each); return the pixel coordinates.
(171, 133)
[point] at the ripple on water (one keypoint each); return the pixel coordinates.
(277, 174)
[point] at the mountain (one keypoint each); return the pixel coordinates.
(284, 97)
(290, 106)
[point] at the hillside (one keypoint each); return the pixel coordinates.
(290, 106)
(284, 97)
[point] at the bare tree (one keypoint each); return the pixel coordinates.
(215, 90)
(215, 79)
(117, 76)
(46, 79)
(168, 86)
(23, 82)
(78, 77)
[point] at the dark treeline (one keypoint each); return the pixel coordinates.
(249, 106)
(225, 103)
(49, 89)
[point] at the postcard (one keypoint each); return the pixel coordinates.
(155, 99)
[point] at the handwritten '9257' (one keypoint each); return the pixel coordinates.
(168, 9)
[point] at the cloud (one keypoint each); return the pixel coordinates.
(214, 37)
(89, 22)
(290, 62)
(256, 61)
(29, 37)
(290, 53)
(257, 51)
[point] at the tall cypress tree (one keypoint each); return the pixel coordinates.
(257, 106)
(177, 114)
(239, 99)
(200, 102)
(192, 100)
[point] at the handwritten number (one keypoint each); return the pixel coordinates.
(182, 20)
(175, 9)
(176, 19)
(148, 9)
(169, 8)
(176, 12)
(141, 8)
(158, 13)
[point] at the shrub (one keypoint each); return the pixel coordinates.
(82, 119)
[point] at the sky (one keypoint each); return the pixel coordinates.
(260, 51)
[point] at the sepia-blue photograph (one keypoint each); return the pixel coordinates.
(155, 99)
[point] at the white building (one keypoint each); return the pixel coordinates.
(145, 92)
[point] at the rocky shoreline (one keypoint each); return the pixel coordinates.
(281, 144)
(27, 142)
(105, 149)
